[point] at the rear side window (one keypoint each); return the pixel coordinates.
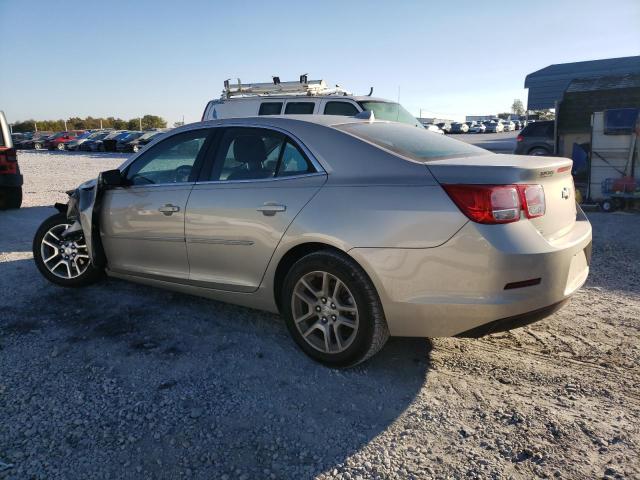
(270, 108)
(299, 108)
(340, 108)
(256, 153)
(539, 129)
(416, 143)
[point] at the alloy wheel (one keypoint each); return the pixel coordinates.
(325, 312)
(64, 258)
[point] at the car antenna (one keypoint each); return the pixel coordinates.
(370, 92)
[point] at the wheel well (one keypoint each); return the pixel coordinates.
(290, 258)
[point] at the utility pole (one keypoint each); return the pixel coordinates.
(100, 124)
(65, 125)
(35, 126)
(140, 122)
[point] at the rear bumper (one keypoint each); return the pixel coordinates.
(458, 288)
(11, 180)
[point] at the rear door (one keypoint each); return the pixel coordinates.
(142, 225)
(237, 214)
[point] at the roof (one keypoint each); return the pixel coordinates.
(610, 82)
(300, 97)
(546, 86)
(596, 94)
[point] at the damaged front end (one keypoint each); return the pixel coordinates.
(83, 212)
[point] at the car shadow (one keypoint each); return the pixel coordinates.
(17, 227)
(219, 388)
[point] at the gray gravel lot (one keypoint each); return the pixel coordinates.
(125, 381)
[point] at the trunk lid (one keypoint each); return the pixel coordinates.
(553, 173)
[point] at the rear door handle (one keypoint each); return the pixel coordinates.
(169, 209)
(270, 209)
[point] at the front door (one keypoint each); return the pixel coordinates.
(142, 224)
(235, 218)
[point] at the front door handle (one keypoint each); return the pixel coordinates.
(270, 209)
(169, 209)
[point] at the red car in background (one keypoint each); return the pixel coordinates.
(59, 140)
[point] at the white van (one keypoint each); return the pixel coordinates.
(299, 98)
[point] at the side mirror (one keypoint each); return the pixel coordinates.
(112, 178)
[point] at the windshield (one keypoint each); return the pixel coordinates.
(416, 143)
(391, 111)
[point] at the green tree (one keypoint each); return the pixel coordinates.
(517, 107)
(153, 121)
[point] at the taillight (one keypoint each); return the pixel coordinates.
(533, 202)
(494, 204)
(8, 161)
(519, 138)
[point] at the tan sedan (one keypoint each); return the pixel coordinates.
(353, 229)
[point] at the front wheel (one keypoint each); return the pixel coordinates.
(37, 146)
(60, 146)
(63, 261)
(332, 309)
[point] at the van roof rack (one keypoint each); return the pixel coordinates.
(304, 86)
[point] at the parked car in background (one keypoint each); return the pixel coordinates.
(478, 127)
(445, 239)
(59, 140)
(433, 128)
(509, 126)
(10, 177)
(494, 127)
(110, 143)
(120, 142)
(536, 138)
(95, 144)
(137, 144)
(518, 124)
(444, 126)
(34, 141)
(459, 127)
(79, 140)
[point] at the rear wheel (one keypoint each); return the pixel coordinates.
(37, 146)
(332, 310)
(10, 197)
(539, 152)
(60, 146)
(63, 261)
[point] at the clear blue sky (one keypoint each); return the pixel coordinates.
(121, 58)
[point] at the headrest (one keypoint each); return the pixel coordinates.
(249, 149)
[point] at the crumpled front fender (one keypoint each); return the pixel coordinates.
(83, 210)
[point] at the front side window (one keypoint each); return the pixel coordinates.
(170, 161)
(416, 143)
(340, 108)
(299, 108)
(270, 108)
(255, 153)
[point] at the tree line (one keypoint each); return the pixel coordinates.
(90, 123)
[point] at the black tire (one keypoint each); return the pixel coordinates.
(37, 146)
(10, 197)
(607, 206)
(89, 276)
(539, 151)
(372, 332)
(60, 146)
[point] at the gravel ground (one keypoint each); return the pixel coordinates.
(124, 381)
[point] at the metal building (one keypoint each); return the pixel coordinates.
(546, 86)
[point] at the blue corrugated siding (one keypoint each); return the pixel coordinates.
(547, 85)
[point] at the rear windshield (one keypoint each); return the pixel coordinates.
(391, 111)
(416, 143)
